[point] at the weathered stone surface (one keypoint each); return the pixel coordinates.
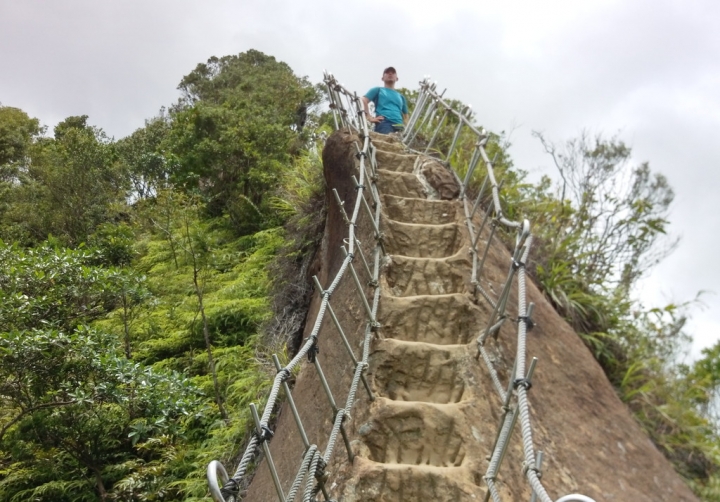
(397, 162)
(387, 142)
(441, 179)
(438, 319)
(412, 210)
(415, 433)
(400, 184)
(407, 276)
(400, 483)
(419, 372)
(423, 241)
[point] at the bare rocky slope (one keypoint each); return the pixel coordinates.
(427, 434)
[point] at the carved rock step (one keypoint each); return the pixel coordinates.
(412, 371)
(398, 162)
(400, 184)
(414, 433)
(411, 210)
(387, 142)
(422, 240)
(406, 276)
(438, 319)
(401, 483)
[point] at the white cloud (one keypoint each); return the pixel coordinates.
(647, 68)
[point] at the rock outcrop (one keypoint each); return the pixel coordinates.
(427, 434)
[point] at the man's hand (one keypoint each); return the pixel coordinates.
(375, 120)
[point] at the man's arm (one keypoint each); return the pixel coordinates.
(366, 102)
(405, 118)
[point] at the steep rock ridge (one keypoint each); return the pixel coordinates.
(417, 440)
(434, 419)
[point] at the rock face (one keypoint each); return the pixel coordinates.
(427, 433)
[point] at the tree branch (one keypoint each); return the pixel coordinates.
(31, 410)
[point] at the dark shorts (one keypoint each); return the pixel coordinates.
(386, 127)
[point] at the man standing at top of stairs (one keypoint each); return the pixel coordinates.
(391, 110)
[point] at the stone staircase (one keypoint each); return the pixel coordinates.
(417, 441)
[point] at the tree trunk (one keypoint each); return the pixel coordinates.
(126, 326)
(208, 346)
(99, 483)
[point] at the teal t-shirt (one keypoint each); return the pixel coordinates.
(389, 103)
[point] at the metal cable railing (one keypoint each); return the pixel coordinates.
(348, 112)
(425, 122)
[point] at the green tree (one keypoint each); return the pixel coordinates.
(71, 186)
(17, 133)
(142, 155)
(53, 287)
(234, 131)
(597, 231)
(66, 392)
(73, 397)
(612, 215)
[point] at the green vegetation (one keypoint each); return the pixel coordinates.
(597, 230)
(136, 283)
(145, 281)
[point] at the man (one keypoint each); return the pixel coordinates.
(391, 111)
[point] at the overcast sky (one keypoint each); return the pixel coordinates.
(648, 69)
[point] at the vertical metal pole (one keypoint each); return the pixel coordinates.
(515, 412)
(456, 136)
(417, 111)
(293, 408)
(506, 402)
(367, 208)
(339, 108)
(346, 440)
(341, 206)
(487, 246)
(344, 338)
(499, 309)
(325, 385)
(362, 255)
(471, 168)
(334, 407)
(479, 197)
(538, 465)
(360, 289)
(503, 447)
(349, 349)
(266, 449)
(428, 113)
(332, 103)
(437, 130)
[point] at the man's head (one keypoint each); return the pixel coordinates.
(389, 76)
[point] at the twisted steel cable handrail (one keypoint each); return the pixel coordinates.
(423, 123)
(347, 113)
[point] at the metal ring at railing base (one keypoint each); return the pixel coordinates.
(213, 469)
(575, 497)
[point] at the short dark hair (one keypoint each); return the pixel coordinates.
(389, 69)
